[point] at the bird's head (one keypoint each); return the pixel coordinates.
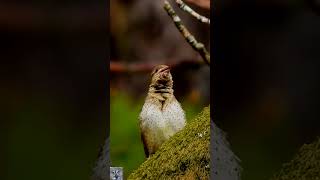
(161, 77)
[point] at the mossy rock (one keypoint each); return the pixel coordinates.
(304, 166)
(184, 156)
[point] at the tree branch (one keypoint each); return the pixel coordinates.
(193, 13)
(186, 34)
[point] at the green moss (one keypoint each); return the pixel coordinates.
(184, 156)
(304, 166)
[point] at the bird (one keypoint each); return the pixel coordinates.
(162, 115)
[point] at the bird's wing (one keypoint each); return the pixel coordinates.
(145, 145)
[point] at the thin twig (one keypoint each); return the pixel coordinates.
(193, 13)
(186, 34)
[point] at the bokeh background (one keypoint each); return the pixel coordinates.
(266, 79)
(54, 79)
(143, 36)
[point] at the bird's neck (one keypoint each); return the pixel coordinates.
(160, 89)
(160, 94)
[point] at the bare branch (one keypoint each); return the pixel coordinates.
(193, 13)
(186, 34)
